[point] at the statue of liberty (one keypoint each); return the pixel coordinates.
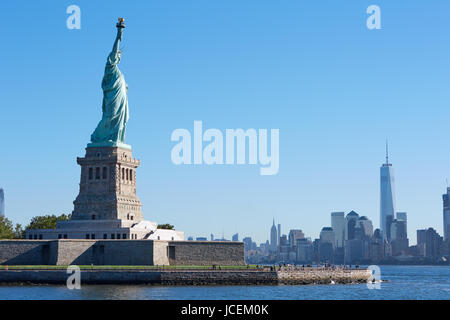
(110, 131)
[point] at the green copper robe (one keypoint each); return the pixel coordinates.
(110, 130)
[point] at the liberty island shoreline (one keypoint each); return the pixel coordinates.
(192, 276)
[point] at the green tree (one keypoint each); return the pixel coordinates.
(6, 229)
(46, 222)
(166, 226)
(19, 233)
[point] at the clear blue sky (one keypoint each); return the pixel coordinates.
(312, 69)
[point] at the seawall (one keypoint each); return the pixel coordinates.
(120, 252)
(190, 277)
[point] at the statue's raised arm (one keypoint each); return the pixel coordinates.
(111, 129)
(115, 55)
(120, 26)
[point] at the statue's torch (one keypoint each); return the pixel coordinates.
(120, 24)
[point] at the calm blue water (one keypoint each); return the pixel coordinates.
(403, 282)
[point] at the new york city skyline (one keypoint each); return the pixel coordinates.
(335, 90)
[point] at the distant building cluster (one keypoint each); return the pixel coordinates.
(351, 238)
(235, 237)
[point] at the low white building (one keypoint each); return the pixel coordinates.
(113, 229)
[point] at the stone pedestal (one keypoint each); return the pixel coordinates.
(107, 206)
(108, 186)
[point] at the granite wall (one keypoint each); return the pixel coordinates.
(206, 253)
(24, 252)
(222, 277)
(119, 252)
(189, 277)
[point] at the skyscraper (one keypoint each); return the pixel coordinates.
(273, 237)
(294, 235)
(429, 243)
(402, 216)
(365, 224)
(235, 237)
(399, 238)
(304, 250)
(327, 235)
(327, 244)
(338, 225)
(446, 212)
(387, 197)
(247, 243)
(279, 234)
(350, 225)
(398, 229)
(2, 203)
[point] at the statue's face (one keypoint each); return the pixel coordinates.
(119, 55)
